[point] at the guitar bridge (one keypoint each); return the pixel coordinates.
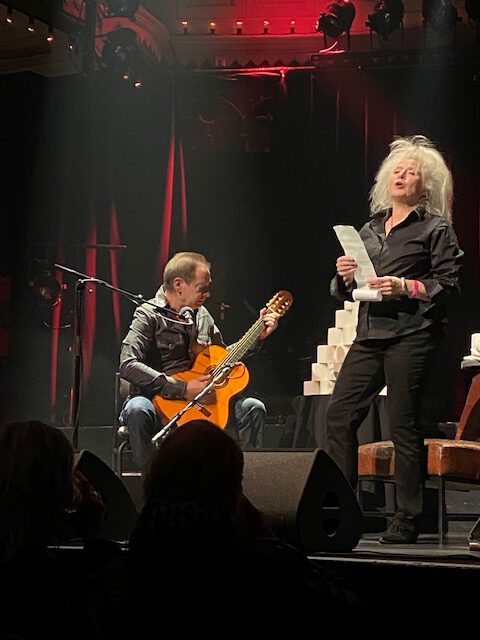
(202, 409)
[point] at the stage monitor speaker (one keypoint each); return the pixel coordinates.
(474, 537)
(120, 512)
(304, 497)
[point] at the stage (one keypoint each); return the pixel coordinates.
(420, 590)
(455, 552)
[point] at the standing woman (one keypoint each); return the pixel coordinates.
(415, 253)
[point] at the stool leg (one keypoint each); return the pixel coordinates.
(441, 510)
(359, 494)
(120, 458)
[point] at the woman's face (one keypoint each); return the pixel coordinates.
(406, 185)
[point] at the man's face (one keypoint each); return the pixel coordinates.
(194, 294)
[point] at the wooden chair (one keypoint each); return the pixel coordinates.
(121, 442)
(452, 464)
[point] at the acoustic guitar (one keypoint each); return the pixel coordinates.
(228, 375)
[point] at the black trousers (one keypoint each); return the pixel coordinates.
(403, 364)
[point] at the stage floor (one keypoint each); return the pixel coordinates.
(427, 551)
(422, 590)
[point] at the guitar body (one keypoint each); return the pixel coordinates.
(217, 402)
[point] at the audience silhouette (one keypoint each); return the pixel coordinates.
(201, 558)
(202, 555)
(45, 593)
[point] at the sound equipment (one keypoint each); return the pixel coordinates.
(304, 497)
(120, 512)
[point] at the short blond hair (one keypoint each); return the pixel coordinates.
(183, 265)
(436, 176)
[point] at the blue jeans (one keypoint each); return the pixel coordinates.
(139, 416)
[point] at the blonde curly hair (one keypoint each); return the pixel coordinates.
(436, 176)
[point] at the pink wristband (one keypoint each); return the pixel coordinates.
(414, 293)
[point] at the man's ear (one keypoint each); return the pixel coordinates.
(177, 284)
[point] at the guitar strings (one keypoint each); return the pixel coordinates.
(240, 347)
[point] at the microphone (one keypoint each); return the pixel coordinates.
(187, 313)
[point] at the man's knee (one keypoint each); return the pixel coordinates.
(136, 407)
(247, 406)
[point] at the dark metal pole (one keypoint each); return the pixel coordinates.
(76, 361)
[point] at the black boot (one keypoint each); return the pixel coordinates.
(400, 531)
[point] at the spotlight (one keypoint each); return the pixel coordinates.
(43, 283)
(337, 18)
(123, 8)
(50, 34)
(185, 27)
(239, 27)
(386, 17)
(31, 25)
(266, 24)
(292, 26)
(120, 49)
(439, 14)
(213, 26)
(46, 287)
(9, 15)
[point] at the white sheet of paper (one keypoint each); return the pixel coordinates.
(352, 245)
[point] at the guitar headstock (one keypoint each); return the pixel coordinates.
(280, 303)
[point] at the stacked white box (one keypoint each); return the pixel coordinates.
(331, 356)
(475, 345)
(334, 336)
(325, 353)
(320, 371)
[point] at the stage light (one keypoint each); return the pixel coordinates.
(9, 15)
(31, 25)
(337, 18)
(123, 8)
(266, 24)
(239, 27)
(440, 15)
(50, 34)
(185, 27)
(292, 26)
(120, 49)
(386, 17)
(43, 283)
(47, 288)
(213, 27)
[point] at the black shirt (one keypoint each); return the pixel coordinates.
(422, 247)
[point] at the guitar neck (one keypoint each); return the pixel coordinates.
(279, 304)
(240, 348)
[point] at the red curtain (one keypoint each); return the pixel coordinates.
(175, 199)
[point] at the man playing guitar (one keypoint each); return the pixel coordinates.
(169, 338)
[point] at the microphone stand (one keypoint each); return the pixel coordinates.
(76, 368)
(217, 379)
